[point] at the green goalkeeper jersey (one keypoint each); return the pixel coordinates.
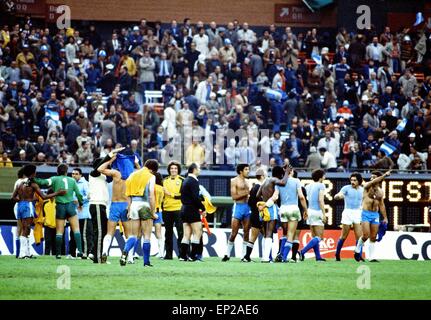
(58, 183)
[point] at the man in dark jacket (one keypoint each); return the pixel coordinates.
(190, 215)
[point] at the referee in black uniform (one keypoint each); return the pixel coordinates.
(190, 215)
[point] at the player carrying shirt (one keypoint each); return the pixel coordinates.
(290, 214)
(316, 217)
(372, 203)
(65, 206)
(118, 208)
(240, 191)
(352, 195)
(24, 195)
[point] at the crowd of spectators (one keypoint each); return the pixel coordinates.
(70, 96)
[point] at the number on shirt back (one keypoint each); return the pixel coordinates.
(66, 186)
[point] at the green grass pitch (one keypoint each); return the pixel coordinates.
(213, 280)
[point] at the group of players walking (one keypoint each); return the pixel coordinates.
(281, 198)
(140, 194)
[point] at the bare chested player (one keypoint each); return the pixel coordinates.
(266, 193)
(372, 203)
(240, 191)
(24, 194)
(119, 204)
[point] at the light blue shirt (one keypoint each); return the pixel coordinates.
(289, 193)
(352, 197)
(313, 190)
(83, 189)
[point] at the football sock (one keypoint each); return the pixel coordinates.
(359, 245)
(310, 244)
(146, 247)
(286, 249)
(282, 243)
(249, 250)
(317, 248)
(106, 243)
(23, 246)
(78, 241)
(339, 246)
(295, 248)
(229, 248)
(130, 243)
(58, 243)
(371, 250)
(161, 246)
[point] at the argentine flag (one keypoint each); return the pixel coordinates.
(317, 58)
(402, 125)
(387, 148)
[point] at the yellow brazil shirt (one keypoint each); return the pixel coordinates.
(173, 185)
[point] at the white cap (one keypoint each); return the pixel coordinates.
(412, 135)
(82, 109)
(346, 103)
(135, 28)
(325, 50)
(109, 66)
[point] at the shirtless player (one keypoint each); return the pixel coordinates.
(240, 190)
(266, 191)
(372, 203)
(118, 209)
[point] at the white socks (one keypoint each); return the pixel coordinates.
(229, 248)
(23, 246)
(244, 248)
(161, 247)
(267, 247)
(359, 245)
(371, 249)
(28, 251)
(106, 244)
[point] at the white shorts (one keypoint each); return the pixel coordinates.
(351, 216)
(289, 213)
(315, 217)
(135, 206)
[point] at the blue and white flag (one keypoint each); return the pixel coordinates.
(387, 148)
(419, 19)
(402, 125)
(317, 58)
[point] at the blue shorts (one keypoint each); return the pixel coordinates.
(273, 213)
(370, 216)
(25, 210)
(241, 211)
(159, 219)
(118, 211)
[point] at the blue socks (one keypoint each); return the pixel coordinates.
(282, 244)
(317, 249)
(130, 243)
(339, 246)
(146, 247)
(18, 246)
(311, 244)
(286, 249)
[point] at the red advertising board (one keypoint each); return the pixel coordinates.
(295, 13)
(328, 245)
(34, 8)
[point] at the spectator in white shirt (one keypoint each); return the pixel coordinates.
(328, 160)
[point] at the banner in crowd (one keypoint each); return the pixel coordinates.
(394, 246)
